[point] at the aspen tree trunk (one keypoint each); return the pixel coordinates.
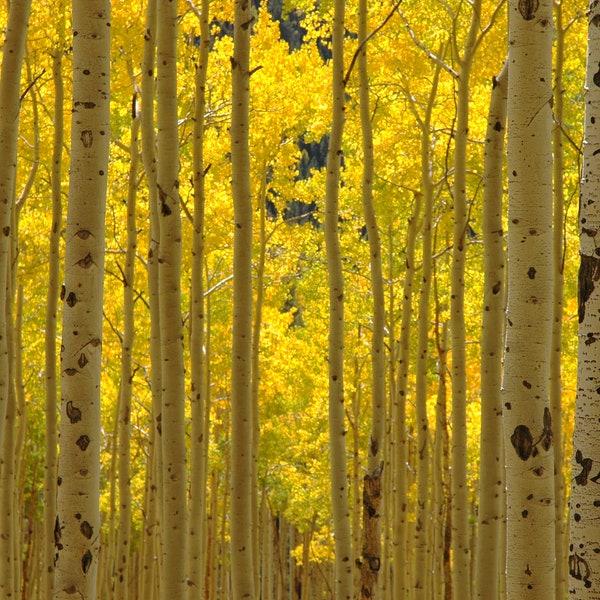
(440, 460)
(77, 529)
(460, 502)
(584, 560)
(371, 544)
(422, 549)
(400, 584)
(51, 320)
(527, 418)
(558, 252)
(337, 426)
(199, 439)
(242, 419)
(174, 476)
(154, 469)
(10, 78)
(123, 550)
(490, 517)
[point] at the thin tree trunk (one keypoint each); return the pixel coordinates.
(123, 550)
(174, 472)
(460, 503)
(51, 364)
(527, 419)
(371, 545)
(490, 516)
(558, 251)
(400, 584)
(77, 530)
(199, 437)
(337, 425)
(584, 560)
(242, 418)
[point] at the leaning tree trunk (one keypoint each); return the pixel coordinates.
(242, 482)
(527, 418)
(584, 560)
(77, 530)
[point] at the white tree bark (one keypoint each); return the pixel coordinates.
(584, 561)
(77, 529)
(527, 418)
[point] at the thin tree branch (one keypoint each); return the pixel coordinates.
(364, 42)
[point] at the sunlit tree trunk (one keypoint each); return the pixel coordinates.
(527, 418)
(371, 544)
(174, 477)
(199, 437)
(242, 540)
(490, 517)
(584, 560)
(77, 528)
(123, 549)
(51, 318)
(337, 426)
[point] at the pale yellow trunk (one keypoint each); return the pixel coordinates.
(174, 473)
(77, 529)
(51, 365)
(528, 426)
(343, 585)
(490, 516)
(584, 560)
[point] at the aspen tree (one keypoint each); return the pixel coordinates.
(77, 528)
(558, 251)
(242, 541)
(199, 445)
(123, 551)
(584, 561)
(153, 515)
(490, 516)
(400, 508)
(174, 473)
(371, 543)
(51, 316)
(527, 418)
(460, 504)
(421, 545)
(10, 76)
(343, 581)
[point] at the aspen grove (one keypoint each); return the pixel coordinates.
(299, 300)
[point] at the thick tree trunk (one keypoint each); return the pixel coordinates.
(527, 419)
(77, 529)
(584, 560)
